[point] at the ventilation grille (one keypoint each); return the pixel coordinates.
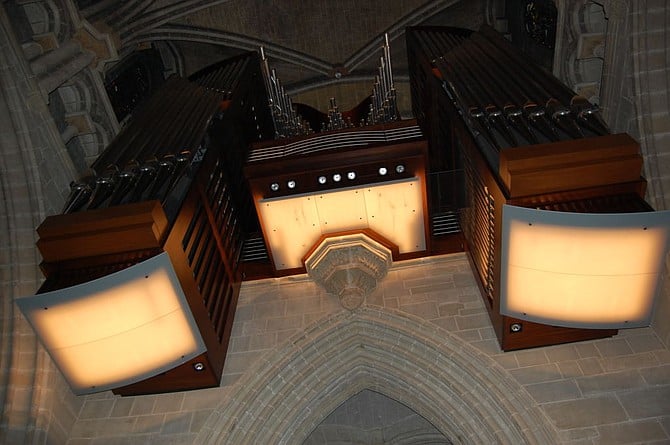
(254, 250)
(446, 223)
(479, 227)
(212, 247)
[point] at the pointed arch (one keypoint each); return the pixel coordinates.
(461, 391)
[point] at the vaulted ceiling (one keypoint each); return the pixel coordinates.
(320, 49)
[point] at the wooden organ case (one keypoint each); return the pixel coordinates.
(521, 138)
(171, 182)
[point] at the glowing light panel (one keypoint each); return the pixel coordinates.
(580, 269)
(116, 330)
(393, 209)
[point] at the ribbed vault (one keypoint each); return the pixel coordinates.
(167, 23)
(460, 391)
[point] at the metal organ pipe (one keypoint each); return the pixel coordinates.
(286, 122)
(383, 106)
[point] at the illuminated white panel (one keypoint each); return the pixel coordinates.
(582, 270)
(393, 209)
(291, 228)
(342, 209)
(116, 330)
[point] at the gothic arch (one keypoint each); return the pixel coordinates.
(462, 392)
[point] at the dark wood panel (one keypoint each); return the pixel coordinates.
(141, 225)
(579, 172)
(570, 165)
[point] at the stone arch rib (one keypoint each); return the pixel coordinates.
(462, 392)
(233, 40)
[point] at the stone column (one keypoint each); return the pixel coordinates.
(34, 175)
(651, 65)
(56, 77)
(615, 104)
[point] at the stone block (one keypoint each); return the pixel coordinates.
(229, 379)
(659, 121)
(410, 273)
(590, 366)
(531, 357)
(78, 442)
(308, 319)
(244, 313)
(613, 347)
(199, 419)
(122, 407)
(413, 299)
(252, 327)
(489, 347)
(644, 343)
(427, 310)
(487, 333)
(473, 321)
(561, 353)
(659, 375)
(269, 309)
(169, 403)
(447, 323)
(614, 381)
(262, 341)
(301, 286)
(239, 362)
(470, 335)
(633, 361)
(376, 298)
(645, 431)
(649, 402)
(284, 323)
(143, 405)
(507, 361)
(469, 296)
(102, 427)
(437, 288)
(96, 409)
(570, 369)
(577, 434)
(536, 374)
(391, 303)
(478, 309)
(149, 424)
(176, 423)
(239, 344)
(464, 280)
(586, 412)
(586, 350)
(554, 391)
(392, 288)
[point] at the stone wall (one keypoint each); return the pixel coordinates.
(615, 53)
(34, 172)
(423, 338)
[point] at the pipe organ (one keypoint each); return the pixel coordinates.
(521, 138)
(171, 182)
(231, 180)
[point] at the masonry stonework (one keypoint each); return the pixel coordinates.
(422, 339)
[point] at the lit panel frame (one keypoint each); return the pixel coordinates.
(582, 270)
(119, 329)
(393, 209)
